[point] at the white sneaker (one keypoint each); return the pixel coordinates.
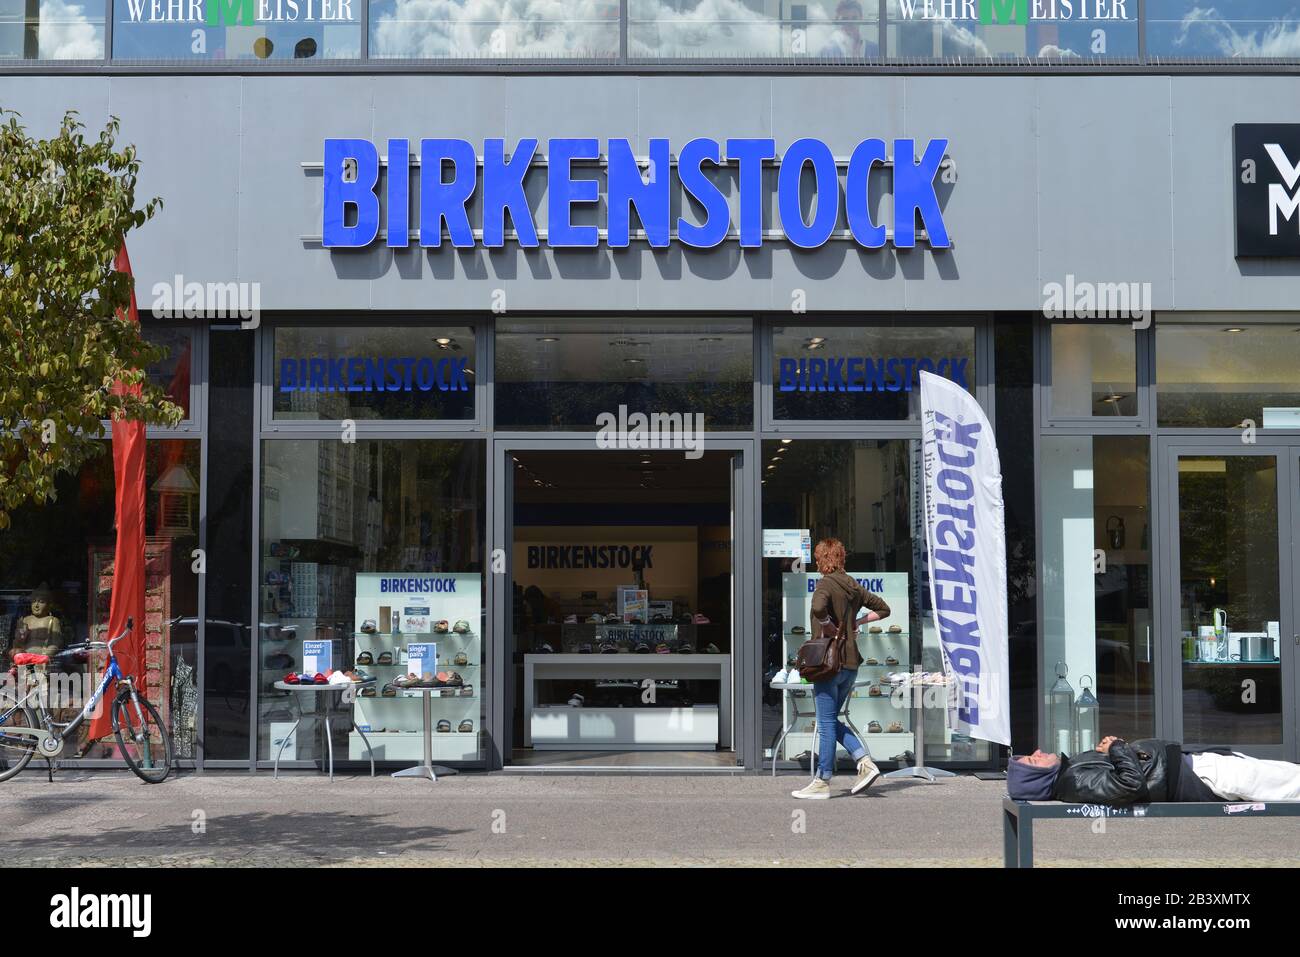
(867, 774)
(814, 790)
(779, 678)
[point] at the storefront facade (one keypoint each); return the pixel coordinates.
(407, 432)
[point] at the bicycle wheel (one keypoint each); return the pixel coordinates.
(142, 737)
(16, 750)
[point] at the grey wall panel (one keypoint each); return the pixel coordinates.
(189, 145)
(1206, 274)
(991, 209)
(1109, 178)
(284, 121)
(1103, 183)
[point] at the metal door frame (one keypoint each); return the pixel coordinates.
(745, 600)
(1168, 650)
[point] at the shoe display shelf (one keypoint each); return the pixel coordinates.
(395, 724)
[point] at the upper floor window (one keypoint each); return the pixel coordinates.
(676, 29)
(997, 29)
(470, 29)
(52, 29)
(237, 29)
(1186, 29)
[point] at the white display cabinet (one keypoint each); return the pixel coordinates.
(394, 725)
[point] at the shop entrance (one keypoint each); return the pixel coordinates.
(621, 609)
(1230, 595)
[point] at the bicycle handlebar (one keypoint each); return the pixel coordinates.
(130, 624)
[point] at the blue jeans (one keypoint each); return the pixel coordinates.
(828, 697)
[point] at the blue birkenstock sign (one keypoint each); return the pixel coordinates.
(453, 178)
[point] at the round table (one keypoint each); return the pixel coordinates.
(428, 769)
(330, 691)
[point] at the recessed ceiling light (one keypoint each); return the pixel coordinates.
(1113, 397)
(786, 441)
(710, 338)
(633, 360)
(770, 467)
(548, 338)
(1234, 329)
(442, 341)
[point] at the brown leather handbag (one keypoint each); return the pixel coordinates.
(822, 656)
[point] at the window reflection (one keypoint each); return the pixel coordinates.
(1096, 546)
(423, 29)
(1223, 374)
(51, 30)
(1227, 28)
(847, 29)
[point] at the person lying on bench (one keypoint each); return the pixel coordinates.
(1119, 773)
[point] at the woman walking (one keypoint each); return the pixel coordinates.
(839, 598)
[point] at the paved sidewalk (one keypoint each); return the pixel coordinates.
(108, 818)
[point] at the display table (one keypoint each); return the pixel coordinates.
(428, 769)
(332, 693)
(796, 714)
(698, 727)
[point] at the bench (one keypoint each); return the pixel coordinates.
(1018, 818)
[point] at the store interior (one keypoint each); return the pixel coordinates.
(622, 609)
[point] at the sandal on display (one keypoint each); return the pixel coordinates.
(874, 728)
(462, 626)
(369, 627)
(797, 630)
(368, 692)
(701, 620)
(385, 658)
(661, 649)
(428, 680)
(467, 691)
(289, 679)
(463, 659)
(891, 660)
(712, 649)
(686, 648)
(454, 680)
(319, 679)
(444, 726)
(365, 658)
(389, 691)
(874, 691)
(871, 661)
(441, 627)
(466, 726)
(895, 629)
(608, 648)
(875, 630)
(895, 727)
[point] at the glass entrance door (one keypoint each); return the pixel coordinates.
(1230, 598)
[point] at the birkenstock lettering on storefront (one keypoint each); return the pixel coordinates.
(352, 173)
(417, 585)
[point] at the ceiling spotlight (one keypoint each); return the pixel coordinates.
(1113, 397)
(633, 360)
(770, 467)
(786, 441)
(1234, 329)
(548, 338)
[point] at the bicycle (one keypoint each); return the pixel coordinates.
(28, 729)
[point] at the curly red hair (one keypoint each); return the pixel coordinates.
(829, 555)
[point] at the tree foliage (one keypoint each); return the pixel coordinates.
(66, 206)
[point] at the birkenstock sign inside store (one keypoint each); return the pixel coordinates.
(454, 179)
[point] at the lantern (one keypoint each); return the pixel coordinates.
(1060, 713)
(1087, 718)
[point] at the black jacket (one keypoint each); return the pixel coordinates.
(1139, 773)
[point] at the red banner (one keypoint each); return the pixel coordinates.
(128, 559)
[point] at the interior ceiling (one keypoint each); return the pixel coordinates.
(615, 474)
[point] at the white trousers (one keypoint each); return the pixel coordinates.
(1237, 777)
